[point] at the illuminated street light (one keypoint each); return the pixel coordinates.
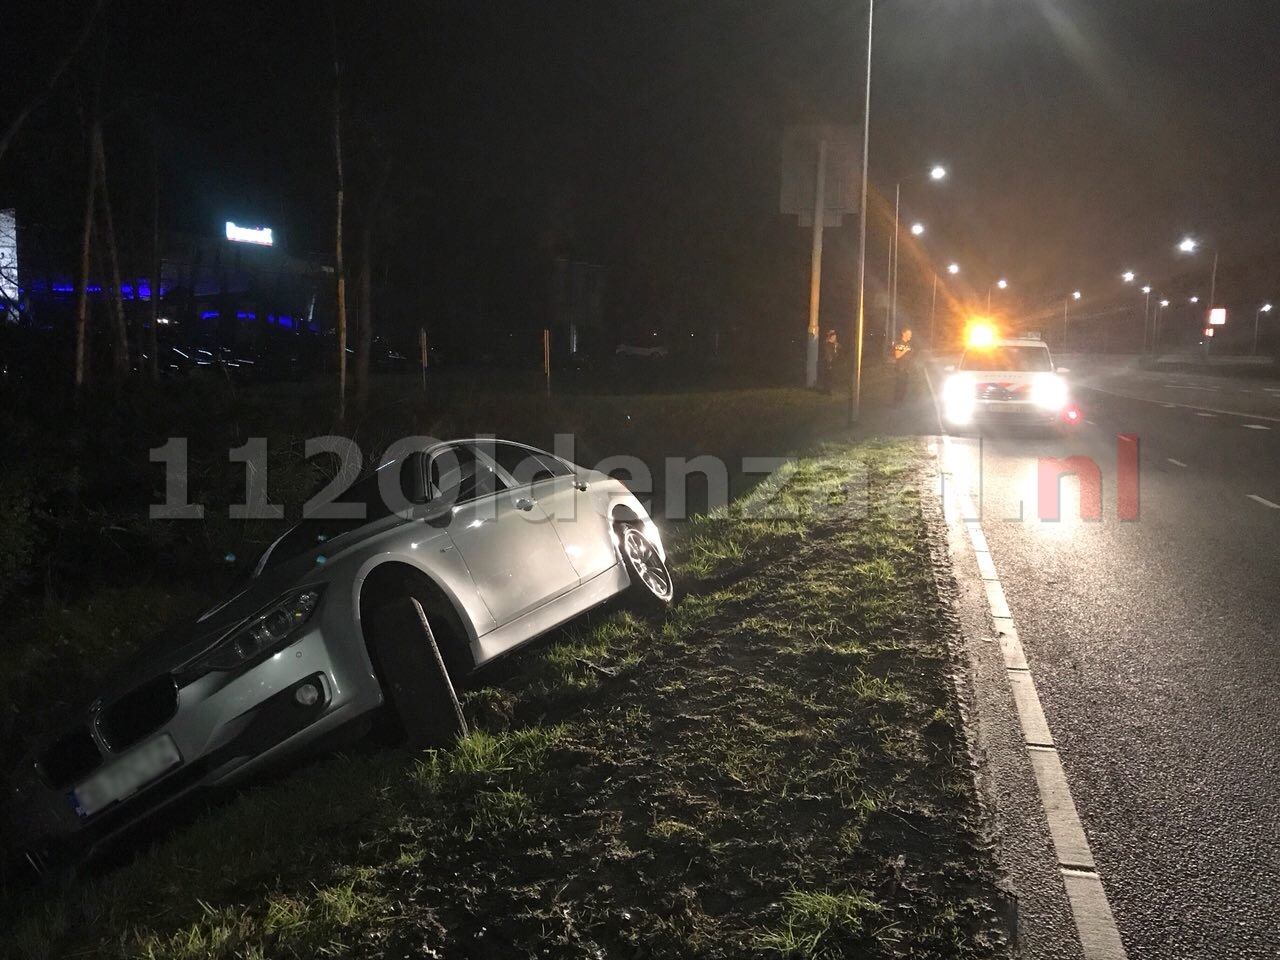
(1127, 276)
(1265, 308)
(1188, 245)
(1158, 323)
(937, 173)
(1066, 305)
(1194, 300)
(1146, 290)
(953, 269)
(1002, 284)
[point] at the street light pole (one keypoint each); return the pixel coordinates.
(891, 285)
(933, 309)
(1265, 308)
(1213, 282)
(1146, 317)
(855, 393)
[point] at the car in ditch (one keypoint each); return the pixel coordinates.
(498, 543)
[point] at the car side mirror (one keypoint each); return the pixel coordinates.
(950, 368)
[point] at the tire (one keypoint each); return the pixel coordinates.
(415, 681)
(651, 582)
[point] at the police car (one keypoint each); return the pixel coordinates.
(1006, 380)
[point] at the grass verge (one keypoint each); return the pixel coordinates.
(775, 769)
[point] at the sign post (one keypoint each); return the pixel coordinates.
(817, 174)
(546, 357)
(422, 352)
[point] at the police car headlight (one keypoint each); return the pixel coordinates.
(957, 399)
(1049, 392)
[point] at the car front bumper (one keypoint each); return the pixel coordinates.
(224, 727)
(1000, 411)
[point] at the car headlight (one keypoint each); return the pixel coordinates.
(263, 633)
(1049, 392)
(958, 399)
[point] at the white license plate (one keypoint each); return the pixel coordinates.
(126, 776)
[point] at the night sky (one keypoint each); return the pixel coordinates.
(1084, 137)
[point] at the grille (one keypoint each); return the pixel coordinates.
(70, 759)
(138, 713)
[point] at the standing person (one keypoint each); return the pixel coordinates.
(827, 368)
(904, 361)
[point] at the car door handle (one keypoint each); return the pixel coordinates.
(524, 503)
(580, 485)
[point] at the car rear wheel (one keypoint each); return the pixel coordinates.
(650, 579)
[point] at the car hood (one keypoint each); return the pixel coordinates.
(187, 639)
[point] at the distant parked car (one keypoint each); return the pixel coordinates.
(498, 542)
(626, 350)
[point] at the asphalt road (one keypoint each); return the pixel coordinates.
(1155, 645)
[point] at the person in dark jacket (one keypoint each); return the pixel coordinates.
(904, 361)
(827, 366)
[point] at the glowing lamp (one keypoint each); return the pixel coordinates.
(980, 335)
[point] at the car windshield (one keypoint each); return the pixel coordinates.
(315, 530)
(1007, 358)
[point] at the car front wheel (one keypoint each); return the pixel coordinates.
(650, 578)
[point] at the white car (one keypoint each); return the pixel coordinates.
(498, 542)
(1007, 381)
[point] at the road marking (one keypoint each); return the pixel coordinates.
(1255, 426)
(1201, 413)
(1091, 423)
(1098, 932)
(1176, 463)
(1095, 923)
(1035, 728)
(1257, 499)
(1185, 406)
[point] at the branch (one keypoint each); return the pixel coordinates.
(85, 32)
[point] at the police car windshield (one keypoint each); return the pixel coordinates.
(1006, 358)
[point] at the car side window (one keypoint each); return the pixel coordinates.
(458, 475)
(525, 464)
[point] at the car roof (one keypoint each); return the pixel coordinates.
(1020, 342)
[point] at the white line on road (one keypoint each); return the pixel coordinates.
(1201, 413)
(1255, 426)
(1095, 923)
(1263, 500)
(1176, 463)
(1185, 406)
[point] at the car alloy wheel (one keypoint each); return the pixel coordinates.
(646, 564)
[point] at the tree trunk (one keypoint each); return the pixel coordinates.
(120, 346)
(364, 347)
(82, 276)
(338, 267)
(153, 348)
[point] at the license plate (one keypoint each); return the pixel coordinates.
(126, 776)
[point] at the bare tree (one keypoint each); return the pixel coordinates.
(338, 267)
(82, 275)
(59, 69)
(120, 341)
(364, 285)
(153, 349)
